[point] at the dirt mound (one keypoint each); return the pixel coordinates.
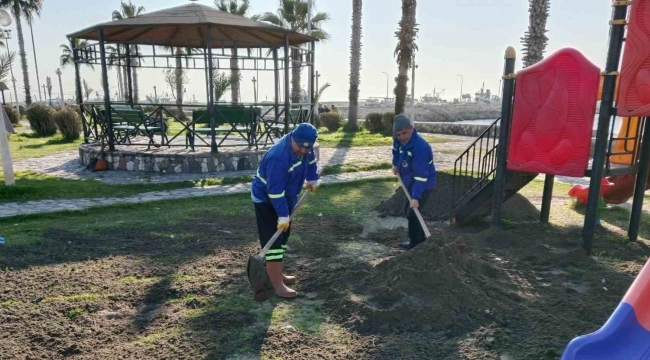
(437, 287)
(438, 207)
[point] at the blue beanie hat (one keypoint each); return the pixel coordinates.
(401, 122)
(305, 135)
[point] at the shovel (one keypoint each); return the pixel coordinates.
(256, 267)
(427, 234)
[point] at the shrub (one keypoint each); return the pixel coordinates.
(68, 122)
(22, 110)
(387, 122)
(373, 123)
(331, 121)
(12, 114)
(40, 119)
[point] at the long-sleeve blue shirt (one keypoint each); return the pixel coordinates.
(415, 162)
(281, 175)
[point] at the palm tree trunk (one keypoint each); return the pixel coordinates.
(120, 89)
(235, 75)
(179, 81)
(23, 55)
(355, 65)
(406, 47)
(134, 71)
(296, 97)
(535, 40)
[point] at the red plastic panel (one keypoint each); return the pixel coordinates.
(634, 91)
(555, 102)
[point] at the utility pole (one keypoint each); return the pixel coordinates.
(155, 93)
(461, 88)
(255, 89)
(44, 92)
(11, 66)
(386, 86)
(58, 73)
(413, 82)
(38, 80)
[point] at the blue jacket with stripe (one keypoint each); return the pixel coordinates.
(281, 175)
(415, 162)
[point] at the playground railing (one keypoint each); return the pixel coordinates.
(476, 166)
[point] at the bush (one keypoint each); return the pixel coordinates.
(12, 114)
(40, 119)
(69, 123)
(331, 121)
(22, 110)
(387, 122)
(373, 123)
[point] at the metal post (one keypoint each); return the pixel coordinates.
(460, 99)
(77, 80)
(549, 180)
(639, 187)
(413, 67)
(213, 144)
(38, 79)
(312, 82)
(286, 84)
(276, 75)
(504, 134)
(129, 79)
(107, 93)
(606, 112)
(3, 98)
(207, 75)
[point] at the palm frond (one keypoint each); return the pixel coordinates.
(5, 64)
(271, 18)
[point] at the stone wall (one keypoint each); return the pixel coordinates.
(177, 163)
(171, 163)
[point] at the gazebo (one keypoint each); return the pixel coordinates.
(200, 38)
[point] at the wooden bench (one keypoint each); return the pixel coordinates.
(127, 123)
(237, 119)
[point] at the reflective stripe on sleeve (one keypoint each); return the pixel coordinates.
(420, 178)
(295, 165)
(313, 162)
(260, 177)
(276, 196)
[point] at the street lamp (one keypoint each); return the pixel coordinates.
(386, 85)
(58, 73)
(461, 88)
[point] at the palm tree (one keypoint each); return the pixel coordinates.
(293, 15)
(67, 54)
(128, 11)
(48, 86)
(6, 60)
(20, 8)
(355, 64)
(221, 84)
(535, 40)
(237, 7)
(87, 89)
(113, 60)
(405, 51)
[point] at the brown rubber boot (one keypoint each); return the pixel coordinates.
(274, 269)
(288, 279)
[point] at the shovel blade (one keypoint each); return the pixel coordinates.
(259, 279)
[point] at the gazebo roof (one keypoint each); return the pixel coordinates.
(186, 26)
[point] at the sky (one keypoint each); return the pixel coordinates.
(460, 37)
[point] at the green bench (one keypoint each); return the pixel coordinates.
(127, 123)
(236, 119)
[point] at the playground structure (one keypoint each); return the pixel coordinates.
(202, 39)
(546, 128)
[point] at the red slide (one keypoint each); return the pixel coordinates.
(614, 189)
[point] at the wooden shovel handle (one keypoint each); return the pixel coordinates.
(427, 234)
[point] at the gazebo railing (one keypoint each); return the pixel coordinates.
(266, 125)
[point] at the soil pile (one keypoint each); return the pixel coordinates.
(437, 207)
(439, 286)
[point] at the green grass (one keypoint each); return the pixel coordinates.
(24, 146)
(10, 303)
(36, 186)
(158, 336)
(73, 314)
(351, 200)
(85, 297)
(342, 138)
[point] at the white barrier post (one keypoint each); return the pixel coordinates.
(7, 164)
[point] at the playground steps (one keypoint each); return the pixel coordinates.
(479, 204)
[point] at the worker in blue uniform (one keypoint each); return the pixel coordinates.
(280, 177)
(413, 161)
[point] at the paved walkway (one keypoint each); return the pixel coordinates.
(48, 206)
(66, 165)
